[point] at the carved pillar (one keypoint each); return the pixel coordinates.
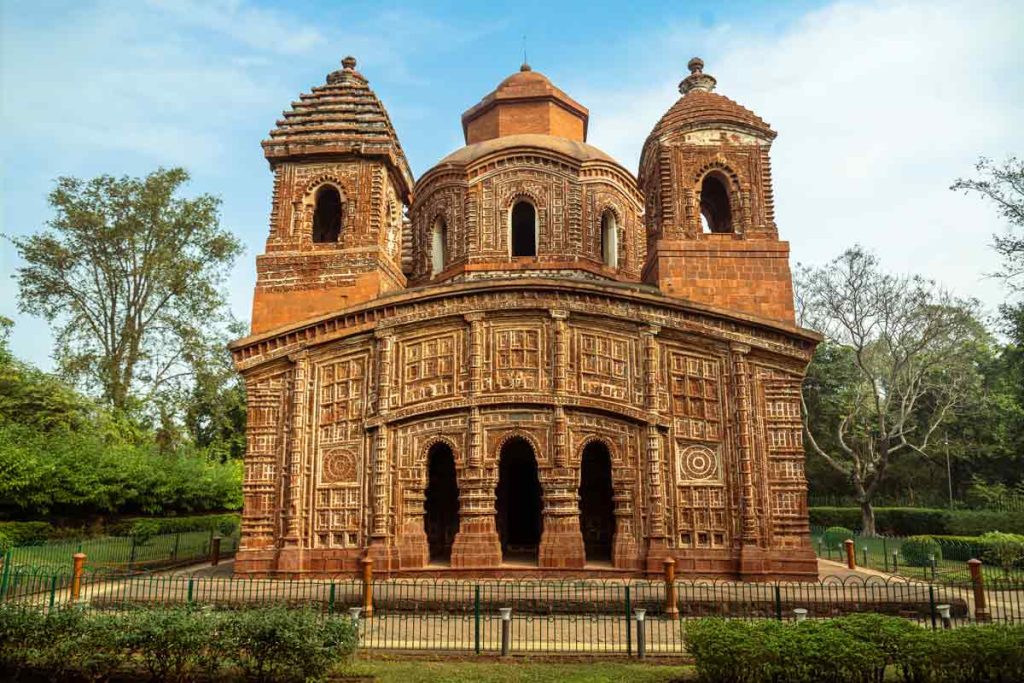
(625, 554)
(477, 543)
(656, 542)
(561, 351)
(379, 537)
(752, 561)
(290, 558)
(561, 542)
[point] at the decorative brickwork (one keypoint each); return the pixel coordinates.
(676, 362)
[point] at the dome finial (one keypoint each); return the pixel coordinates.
(349, 63)
(697, 80)
(525, 67)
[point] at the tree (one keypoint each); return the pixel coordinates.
(127, 274)
(902, 348)
(1003, 185)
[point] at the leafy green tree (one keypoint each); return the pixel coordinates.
(901, 351)
(128, 273)
(1004, 186)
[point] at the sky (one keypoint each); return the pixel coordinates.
(879, 106)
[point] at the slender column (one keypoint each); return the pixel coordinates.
(380, 485)
(385, 347)
(561, 351)
(296, 448)
(476, 352)
(561, 543)
(744, 440)
(655, 489)
(381, 460)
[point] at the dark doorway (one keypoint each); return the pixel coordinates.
(714, 205)
(519, 501)
(442, 503)
(524, 229)
(327, 215)
(597, 511)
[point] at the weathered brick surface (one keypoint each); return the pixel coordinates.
(682, 360)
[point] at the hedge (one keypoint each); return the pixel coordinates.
(173, 644)
(33, 533)
(923, 521)
(855, 649)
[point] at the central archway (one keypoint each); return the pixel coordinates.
(442, 503)
(597, 511)
(518, 501)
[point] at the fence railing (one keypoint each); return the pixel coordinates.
(887, 554)
(567, 616)
(125, 553)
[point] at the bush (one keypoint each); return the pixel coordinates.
(853, 649)
(922, 521)
(1003, 550)
(147, 527)
(916, 551)
(26, 533)
(173, 644)
(835, 535)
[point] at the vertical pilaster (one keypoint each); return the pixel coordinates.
(296, 451)
(656, 532)
(561, 364)
(477, 543)
(744, 442)
(381, 461)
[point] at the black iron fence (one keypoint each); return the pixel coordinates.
(543, 616)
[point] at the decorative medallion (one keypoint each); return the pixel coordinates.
(697, 462)
(339, 467)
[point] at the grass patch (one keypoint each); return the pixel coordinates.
(519, 670)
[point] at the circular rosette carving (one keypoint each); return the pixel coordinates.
(698, 462)
(339, 467)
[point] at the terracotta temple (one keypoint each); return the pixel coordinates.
(528, 361)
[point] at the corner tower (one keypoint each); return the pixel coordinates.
(341, 182)
(706, 177)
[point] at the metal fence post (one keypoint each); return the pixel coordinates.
(864, 554)
(895, 562)
(981, 613)
(77, 564)
(367, 563)
(215, 551)
(778, 602)
(931, 604)
(671, 606)
(476, 618)
(191, 586)
(641, 640)
(5, 578)
(174, 553)
(330, 600)
(629, 624)
(53, 590)
(885, 554)
(131, 554)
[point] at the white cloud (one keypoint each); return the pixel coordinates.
(879, 107)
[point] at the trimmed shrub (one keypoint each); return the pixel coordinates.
(26, 533)
(922, 521)
(1003, 550)
(173, 644)
(854, 649)
(917, 549)
(834, 536)
(147, 527)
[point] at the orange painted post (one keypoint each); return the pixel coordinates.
(78, 564)
(671, 607)
(981, 613)
(367, 563)
(851, 556)
(215, 551)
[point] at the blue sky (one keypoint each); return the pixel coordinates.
(879, 105)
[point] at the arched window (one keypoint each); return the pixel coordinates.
(524, 229)
(716, 214)
(327, 215)
(438, 246)
(609, 239)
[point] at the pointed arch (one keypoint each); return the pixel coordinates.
(328, 214)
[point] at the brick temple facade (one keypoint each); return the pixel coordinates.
(528, 361)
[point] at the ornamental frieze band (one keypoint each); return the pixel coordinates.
(528, 362)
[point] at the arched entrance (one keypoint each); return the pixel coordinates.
(597, 511)
(442, 503)
(518, 501)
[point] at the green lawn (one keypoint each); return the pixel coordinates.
(416, 671)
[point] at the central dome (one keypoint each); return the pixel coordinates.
(525, 102)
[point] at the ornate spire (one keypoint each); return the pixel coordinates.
(697, 80)
(347, 72)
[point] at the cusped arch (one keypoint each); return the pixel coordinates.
(313, 185)
(525, 436)
(422, 457)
